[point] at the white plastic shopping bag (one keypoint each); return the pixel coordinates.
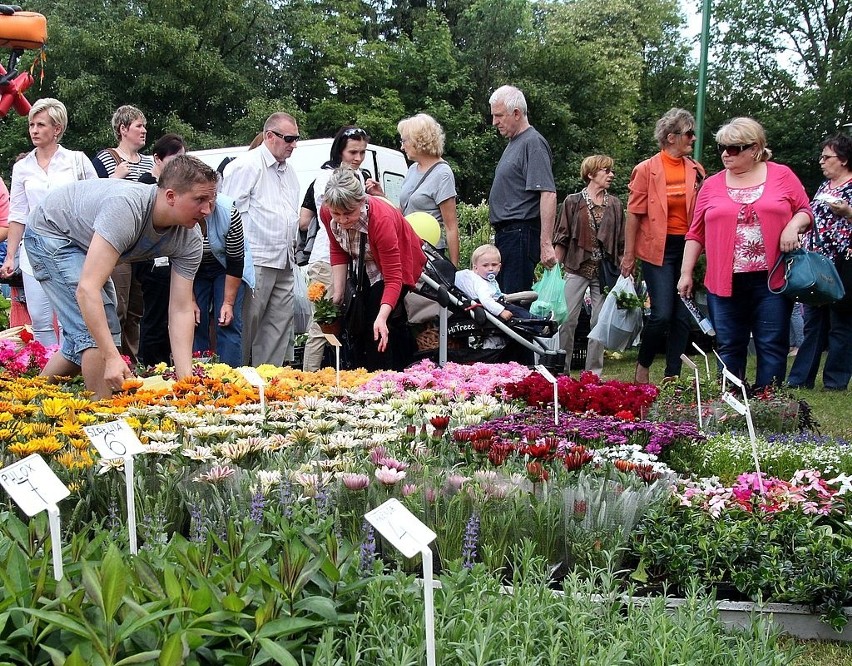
(618, 326)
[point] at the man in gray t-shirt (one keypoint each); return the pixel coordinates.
(522, 202)
(78, 234)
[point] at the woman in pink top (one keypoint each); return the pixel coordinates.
(745, 217)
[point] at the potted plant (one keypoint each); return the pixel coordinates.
(326, 313)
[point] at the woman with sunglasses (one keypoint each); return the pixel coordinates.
(590, 229)
(830, 326)
(662, 195)
(745, 217)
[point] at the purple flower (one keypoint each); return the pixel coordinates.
(368, 550)
(471, 538)
(256, 509)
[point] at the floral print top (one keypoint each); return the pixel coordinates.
(835, 232)
(749, 247)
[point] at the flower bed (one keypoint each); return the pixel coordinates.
(487, 471)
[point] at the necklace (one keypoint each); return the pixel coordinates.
(126, 157)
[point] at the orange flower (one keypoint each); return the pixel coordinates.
(316, 290)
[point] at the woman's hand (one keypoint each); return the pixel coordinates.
(684, 285)
(373, 188)
(122, 170)
(380, 327)
(841, 208)
(790, 237)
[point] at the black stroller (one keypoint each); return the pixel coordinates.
(468, 333)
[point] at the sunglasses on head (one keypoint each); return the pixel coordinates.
(287, 138)
(354, 131)
(733, 150)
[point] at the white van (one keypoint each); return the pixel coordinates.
(386, 165)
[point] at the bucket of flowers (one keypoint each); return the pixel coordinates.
(326, 313)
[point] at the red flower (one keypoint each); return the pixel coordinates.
(537, 472)
(26, 336)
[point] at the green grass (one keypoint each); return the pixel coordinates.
(831, 409)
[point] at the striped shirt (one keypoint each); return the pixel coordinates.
(234, 249)
(107, 161)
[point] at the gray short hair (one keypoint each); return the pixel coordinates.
(674, 121)
(55, 110)
(511, 97)
(125, 116)
(344, 190)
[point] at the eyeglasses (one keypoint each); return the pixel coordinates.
(734, 150)
(287, 138)
(824, 158)
(687, 133)
(354, 131)
(606, 170)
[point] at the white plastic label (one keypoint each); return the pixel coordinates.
(32, 484)
(252, 376)
(115, 439)
(733, 402)
(401, 527)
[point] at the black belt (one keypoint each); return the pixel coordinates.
(509, 225)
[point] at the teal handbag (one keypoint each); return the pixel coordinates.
(810, 278)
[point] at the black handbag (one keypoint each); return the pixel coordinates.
(608, 273)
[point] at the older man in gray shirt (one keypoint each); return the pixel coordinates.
(77, 235)
(522, 202)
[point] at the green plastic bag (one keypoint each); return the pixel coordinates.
(551, 295)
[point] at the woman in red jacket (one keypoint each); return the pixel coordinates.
(393, 262)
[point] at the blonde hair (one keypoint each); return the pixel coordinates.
(483, 250)
(594, 163)
(55, 110)
(743, 131)
(424, 133)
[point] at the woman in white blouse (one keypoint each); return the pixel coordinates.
(46, 168)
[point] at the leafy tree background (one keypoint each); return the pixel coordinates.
(596, 75)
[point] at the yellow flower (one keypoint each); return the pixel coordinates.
(6, 417)
(23, 393)
(53, 408)
(29, 430)
(75, 460)
(69, 428)
(80, 443)
(44, 445)
(86, 419)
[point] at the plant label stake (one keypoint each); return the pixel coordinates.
(409, 536)
(544, 372)
(331, 339)
(252, 376)
(690, 364)
(35, 488)
(116, 439)
(742, 408)
(706, 362)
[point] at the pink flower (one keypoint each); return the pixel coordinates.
(377, 454)
(409, 489)
(393, 463)
(356, 482)
(389, 476)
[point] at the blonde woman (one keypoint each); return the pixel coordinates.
(42, 170)
(429, 185)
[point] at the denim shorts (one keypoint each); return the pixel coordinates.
(57, 264)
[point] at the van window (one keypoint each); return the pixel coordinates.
(392, 184)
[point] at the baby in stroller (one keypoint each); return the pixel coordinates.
(480, 282)
(490, 330)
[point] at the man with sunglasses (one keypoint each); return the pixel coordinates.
(266, 191)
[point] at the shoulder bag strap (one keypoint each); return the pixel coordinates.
(420, 182)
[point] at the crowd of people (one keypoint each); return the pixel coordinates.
(163, 256)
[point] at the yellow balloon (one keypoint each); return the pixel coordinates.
(425, 226)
